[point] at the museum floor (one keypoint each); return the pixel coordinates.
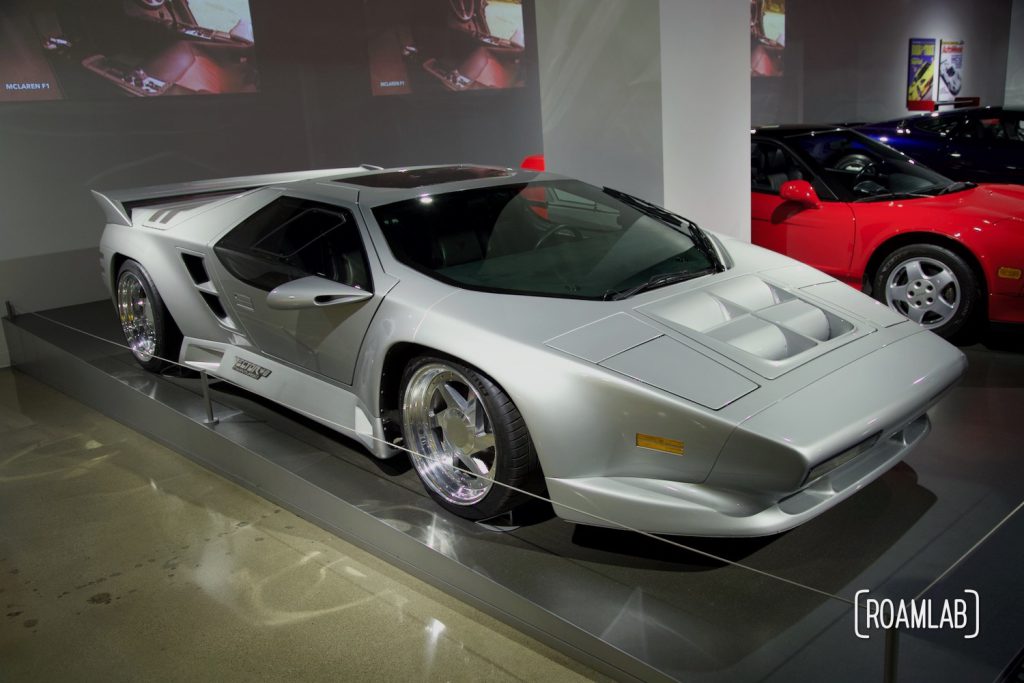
(776, 609)
(121, 560)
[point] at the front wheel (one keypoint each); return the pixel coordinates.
(931, 285)
(470, 446)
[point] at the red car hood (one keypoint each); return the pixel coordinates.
(987, 203)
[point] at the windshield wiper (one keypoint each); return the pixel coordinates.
(893, 195)
(707, 246)
(700, 238)
(647, 207)
(659, 280)
(956, 187)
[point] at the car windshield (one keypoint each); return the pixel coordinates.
(858, 168)
(559, 238)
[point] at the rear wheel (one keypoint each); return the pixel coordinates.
(931, 285)
(470, 443)
(148, 328)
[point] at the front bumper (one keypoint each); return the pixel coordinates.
(666, 507)
(761, 483)
(1006, 308)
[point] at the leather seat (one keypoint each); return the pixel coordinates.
(779, 169)
(455, 249)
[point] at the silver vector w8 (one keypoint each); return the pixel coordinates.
(528, 332)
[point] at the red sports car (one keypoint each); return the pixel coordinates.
(945, 254)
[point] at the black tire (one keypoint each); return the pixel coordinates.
(168, 336)
(970, 303)
(515, 458)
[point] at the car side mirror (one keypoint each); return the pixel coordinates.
(314, 292)
(801, 192)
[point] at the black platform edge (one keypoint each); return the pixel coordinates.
(183, 430)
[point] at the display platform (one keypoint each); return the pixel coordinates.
(628, 605)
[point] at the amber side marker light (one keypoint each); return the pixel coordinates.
(659, 443)
(1009, 273)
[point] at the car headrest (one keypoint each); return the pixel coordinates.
(757, 159)
(775, 161)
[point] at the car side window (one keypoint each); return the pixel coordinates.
(995, 128)
(771, 166)
(941, 125)
(1013, 125)
(991, 128)
(293, 238)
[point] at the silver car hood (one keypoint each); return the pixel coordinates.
(710, 341)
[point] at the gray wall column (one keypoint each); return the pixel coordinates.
(705, 93)
(600, 77)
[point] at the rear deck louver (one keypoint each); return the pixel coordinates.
(213, 301)
(196, 267)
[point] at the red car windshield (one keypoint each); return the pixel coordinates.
(859, 169)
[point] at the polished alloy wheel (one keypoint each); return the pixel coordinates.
(135, 311)
(448, 426)
(925, 290)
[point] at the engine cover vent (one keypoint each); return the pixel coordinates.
(761, 326)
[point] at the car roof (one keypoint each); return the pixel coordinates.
(388, 185)
(942, 114)
(791, 130)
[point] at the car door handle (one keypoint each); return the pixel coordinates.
(243, 301)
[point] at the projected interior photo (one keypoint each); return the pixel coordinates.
(767, 37)
(444, 45)
(65, 49)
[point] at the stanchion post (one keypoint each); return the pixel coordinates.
(892, 654)
(210, 419)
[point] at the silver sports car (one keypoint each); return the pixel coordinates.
(524, 333)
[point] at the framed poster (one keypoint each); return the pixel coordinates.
(73, 50)
(767, 37)
(921, 71)
(418, 46)
(951, 65)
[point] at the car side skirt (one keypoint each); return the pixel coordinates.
(296, 390)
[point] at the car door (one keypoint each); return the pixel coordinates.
(822, 237)
(288, 239)
(989, 148)
(927, 139)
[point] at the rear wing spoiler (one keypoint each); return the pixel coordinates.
(118, 204)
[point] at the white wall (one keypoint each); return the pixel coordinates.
(705, 57)
(600, 70)
(55, 152)
(315, 110)
(1015, 58)
(847, 61)
(651, 97)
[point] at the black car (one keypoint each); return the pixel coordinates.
(984, 145)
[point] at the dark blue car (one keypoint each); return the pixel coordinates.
(983, 145)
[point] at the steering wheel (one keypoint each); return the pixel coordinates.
(861, 163)
(577, 234)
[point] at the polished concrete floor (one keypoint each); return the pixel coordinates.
(617, 596)
(120, 560)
